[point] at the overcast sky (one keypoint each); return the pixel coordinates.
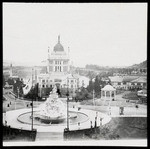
(106, 34)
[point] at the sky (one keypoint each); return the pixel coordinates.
(105, 34)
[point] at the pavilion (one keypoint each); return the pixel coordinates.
(108, 92)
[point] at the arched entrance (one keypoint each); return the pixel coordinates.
(58, 85)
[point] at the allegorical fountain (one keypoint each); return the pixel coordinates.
(51, 116)
(52, 110)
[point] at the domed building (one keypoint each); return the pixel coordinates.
(58, 59)
(58, 72)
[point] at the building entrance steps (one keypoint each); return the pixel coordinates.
(49, 136)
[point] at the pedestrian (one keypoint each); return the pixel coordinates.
(78, 125)
(95, 122)
(5, 123)
(91, 124)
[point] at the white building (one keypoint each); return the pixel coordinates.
(126, 82)
(58, 71)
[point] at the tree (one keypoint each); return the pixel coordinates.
(90, 87)
(10, 81)
(97, 87)
(18, 87)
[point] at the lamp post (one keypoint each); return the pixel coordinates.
(15, 102)
(67, 106)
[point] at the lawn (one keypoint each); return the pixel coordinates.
(130, 96)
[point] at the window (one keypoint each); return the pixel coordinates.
(71, 81)
(132, 83)
(43, 86)
(43, 80)
(119, 83)
(138, 83)
(71, 86)
(55, 68)
(46, 85)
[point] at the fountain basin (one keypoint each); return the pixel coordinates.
(48, 120)
(74, 118)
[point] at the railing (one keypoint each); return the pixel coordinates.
(6, 98)
(12, 93)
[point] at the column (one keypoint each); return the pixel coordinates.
(110, 92)
(105, 93)
(114, 95)
(62, 66)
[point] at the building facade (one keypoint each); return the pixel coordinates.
(129, 82)
(58, 72)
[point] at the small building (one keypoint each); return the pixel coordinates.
(116, 81)
(108, 92)
(140, 82)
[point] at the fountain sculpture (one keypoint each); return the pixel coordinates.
(52, 110)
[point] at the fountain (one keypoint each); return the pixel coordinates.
(51, 116)
(52, 110)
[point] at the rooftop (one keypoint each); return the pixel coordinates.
(108, 88)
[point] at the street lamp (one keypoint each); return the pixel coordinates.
(15, 102)
(67, 106)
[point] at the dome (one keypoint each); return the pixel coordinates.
(58, 46)
(108, 88)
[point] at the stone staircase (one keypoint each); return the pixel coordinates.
(49, 136)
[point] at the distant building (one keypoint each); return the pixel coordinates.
(140, 82)
(11, 73)
(129, 82)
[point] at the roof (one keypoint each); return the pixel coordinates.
(116, 79)
(108, 88)
(58, 47)
(140, 80)
(129, 78)
(143, 91)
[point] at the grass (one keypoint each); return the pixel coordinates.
(130, 96)
(119, 128)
